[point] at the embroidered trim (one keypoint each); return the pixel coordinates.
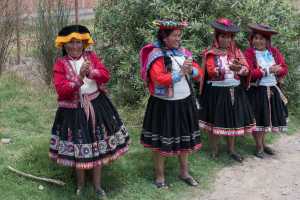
(208, 127)
(173, 153)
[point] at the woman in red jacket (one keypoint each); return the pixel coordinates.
(226, 110)
(87, 131)
(268, 69)
(170, 126)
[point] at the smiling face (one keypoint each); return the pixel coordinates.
(259, 42)
(172, 41)
(74, 48)
(224, 40)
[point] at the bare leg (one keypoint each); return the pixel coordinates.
(80, 176)
(97, 177)
(183, 160)
(259, 140)
(159, 166)
(184, 170)
(214, 144)
(230, 144)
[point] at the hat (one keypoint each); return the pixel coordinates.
(167, 24)
(262, 29)
(78, 32)
(225, 25)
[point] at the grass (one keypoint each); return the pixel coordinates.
(26, 115)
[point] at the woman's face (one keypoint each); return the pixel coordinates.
(173, 40)
(74, 48)
(259, 42)
(224, 40)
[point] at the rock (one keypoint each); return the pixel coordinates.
(41, 187)
(5, 140)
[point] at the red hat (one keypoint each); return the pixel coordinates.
(225, 25)
(167, 24)
(262, 29)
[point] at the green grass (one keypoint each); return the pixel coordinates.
(26, 115)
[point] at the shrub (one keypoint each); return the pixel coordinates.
(51, 17)
(123, 27)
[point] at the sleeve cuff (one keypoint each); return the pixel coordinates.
(176, 77)
(195, 72)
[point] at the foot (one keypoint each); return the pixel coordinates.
(78, 191)
(161, 185)
(237, 157)
(260, 154)
(100, 194)
(269, 150)
(189, 180)
(214, 155)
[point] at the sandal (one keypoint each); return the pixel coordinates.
(78, 191)
(260, 154)
(269, 150)
(237, 157)
(161, 185)
(190, 181)
(100, 194)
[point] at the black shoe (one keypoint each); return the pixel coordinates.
(260, 154)
(237, 157)
(189, 180)
(100, 194)
(269, 150)
(161, 185)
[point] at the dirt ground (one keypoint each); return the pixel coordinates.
(273, 178)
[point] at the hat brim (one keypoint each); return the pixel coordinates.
(62, 40)
(225, 29)
(264, 31)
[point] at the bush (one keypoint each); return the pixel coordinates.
(123, 27)
(8, 21)
(52, 16)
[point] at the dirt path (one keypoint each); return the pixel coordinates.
(273, 178)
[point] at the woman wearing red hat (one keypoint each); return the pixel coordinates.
(87, 131)
(226, 110)
(170, 126)
(268, 68)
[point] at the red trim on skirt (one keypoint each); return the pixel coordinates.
(173, 153)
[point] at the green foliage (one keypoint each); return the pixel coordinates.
(51, 17)
(123, 27)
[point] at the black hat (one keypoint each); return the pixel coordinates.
(262, 29)
(68, 33)
(225, 25)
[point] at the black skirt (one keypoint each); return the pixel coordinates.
(170, 126)
(225, 111)
(74, 142)
(269, 109)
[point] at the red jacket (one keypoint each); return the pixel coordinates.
(256, 72)
(215, 74)
(159, 76)
(67, 83)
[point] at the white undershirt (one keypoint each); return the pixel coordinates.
(90, 85)
(181, 88)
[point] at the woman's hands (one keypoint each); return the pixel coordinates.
(187, 67)
(274, 69)
(85, 69)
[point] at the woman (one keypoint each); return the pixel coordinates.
(87, 131)
(268, 69)
(226, 110)
(170, 126)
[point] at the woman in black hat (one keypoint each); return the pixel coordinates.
(268, 68)
(225, 107)
(170, 126)
(87, 131)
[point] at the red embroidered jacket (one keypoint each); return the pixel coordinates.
(256, 72)
(215, 73)
(159, 76)
(67, 83)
